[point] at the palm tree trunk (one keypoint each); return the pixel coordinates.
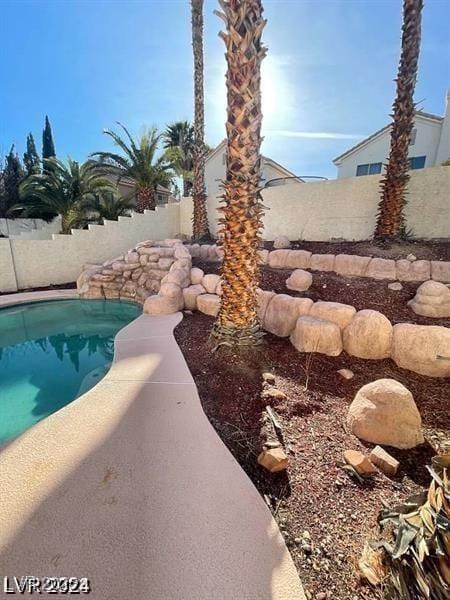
(200, 216)
(237, 321)
(145, 199)
(390, 223)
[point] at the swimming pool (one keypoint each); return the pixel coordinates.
(52, 352)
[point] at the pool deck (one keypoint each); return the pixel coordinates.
(130, 486)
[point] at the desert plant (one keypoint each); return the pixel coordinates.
(139, 163)
(238, 322)
(61, 190)
(200, 229)
(390, 222)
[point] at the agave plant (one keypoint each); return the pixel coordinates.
(416, 565)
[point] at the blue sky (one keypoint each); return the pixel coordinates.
(327, 79)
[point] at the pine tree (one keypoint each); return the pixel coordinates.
(48, 145)
(31, 157)
(12, 176)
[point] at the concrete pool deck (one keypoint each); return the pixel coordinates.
(130, 486)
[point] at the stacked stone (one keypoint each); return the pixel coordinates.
(432, 299)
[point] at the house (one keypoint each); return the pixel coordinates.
(429, 146)
(215, 170)
(163, 195)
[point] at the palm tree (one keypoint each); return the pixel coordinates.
(106, 206)
(61, 189)
(390, 223)
(200, 217)
(180, 136)
(237, 321)
(137, 162)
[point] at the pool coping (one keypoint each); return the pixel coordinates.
(26, 297)
(136, 460)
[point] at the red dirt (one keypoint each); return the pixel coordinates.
(315, 495)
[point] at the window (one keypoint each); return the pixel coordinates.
(412, 139)
(369, 169)
(417, 162)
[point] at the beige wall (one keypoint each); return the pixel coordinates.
(44, 262)
(344, 208)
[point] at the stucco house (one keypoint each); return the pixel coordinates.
(163, 195)
(215, 170)
(429, 146)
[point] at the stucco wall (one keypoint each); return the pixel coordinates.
(44, 262)
(24, 227)
(377, 150)
(344, 208)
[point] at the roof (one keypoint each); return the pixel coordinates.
(130, 183)
(269, 161)
(419, 113)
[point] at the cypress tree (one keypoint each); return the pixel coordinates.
(12, 176)
(31, 157)
(48, 145)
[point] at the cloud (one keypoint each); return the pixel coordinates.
(318, 135)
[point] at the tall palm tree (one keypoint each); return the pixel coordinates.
(61, 189)
(137, 162)
(179, 141)
(237, 321)
(390, 221)
(200, 216)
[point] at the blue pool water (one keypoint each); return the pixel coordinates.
(51, 353)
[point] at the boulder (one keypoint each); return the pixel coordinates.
(179, 276)
(360, 462)
(171, 290)
(322, 262)
(162, 305)
(277, 259)
(315, 335)
(212, 253)
(273, 459)
(381, 268)
(190, 295)
(208, 304)
(351, 265)
(384, 412)
(299, 280)
(440, 270)
(298, 259)
(281, 242)
(417, 347)
(196, 275)
(263, 257)
(338, 313)
(283, 312)
(368, 335)
(204, 252)
(165, 263)
(132, 257)
(194, 250)
(210, 283)
(432, 299)
(419, 270)
(263, 298)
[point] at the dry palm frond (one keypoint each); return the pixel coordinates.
(417, 565)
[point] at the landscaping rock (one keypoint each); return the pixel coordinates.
(190, 295)
(299, 280)
(411, 257)
(281, 242)
(298, 259)
(416, 348)
(263, 298)
(208, 304)
(268, 377)
(381, 268)
(263, 257)
(161, 305)
(432, 299)
(194, 250)
(210, 283)
(338, 313)
(419, 270)
(278, 258)
(204, 252)
(274, 394)
(396, 286)
(196, 275)
(315, 335)
(179, 276)
(440, 270)
(282, 313)
(322, 262)
(171, 290)
(165, 263)
(384, 461)
(351, 265)
(273, 459)
(369, 335)
(361, 464)
(346, 373)
(384, 412)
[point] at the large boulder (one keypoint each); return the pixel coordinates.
(418, 347)
(419, 270)
(440, 270)
(381, 268)
(299, 280)
(351, 265)
(336, 312)
(208, 304)
(196, 275)
(162, 305)
(298, 259)
(369, 335)
(283, 312)
(210, 282)
(432, 299)
(281, 242)
(190, 295)
(384, 412)
(316, 335)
